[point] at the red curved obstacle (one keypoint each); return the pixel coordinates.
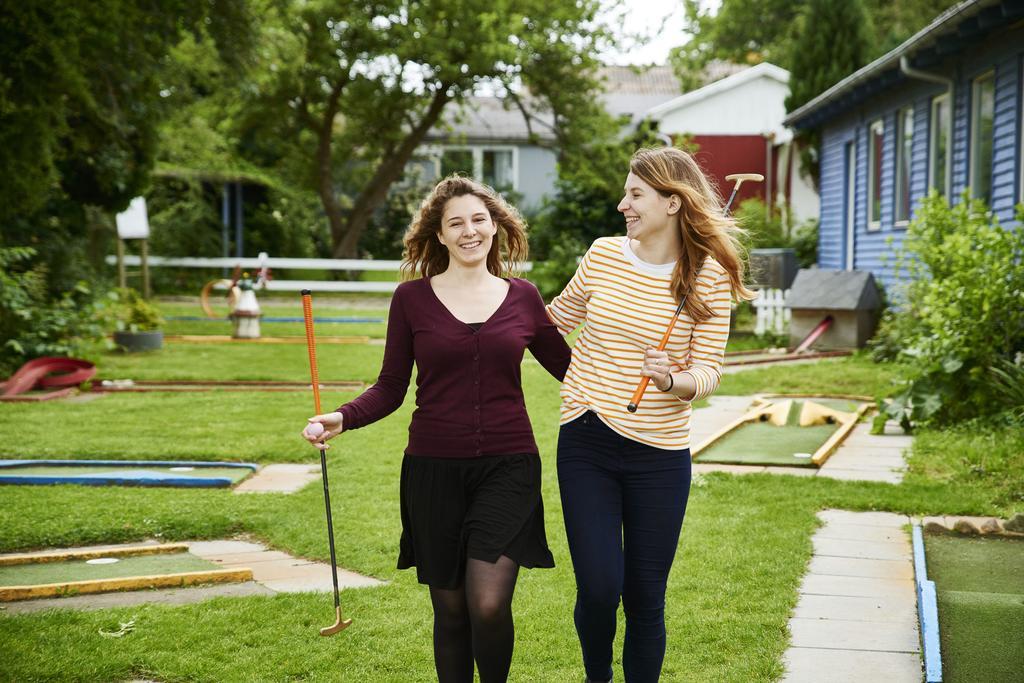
(48, 372)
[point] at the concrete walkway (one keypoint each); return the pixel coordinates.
(273, 572)
(861, 457)
(286, 478)
(856, 618)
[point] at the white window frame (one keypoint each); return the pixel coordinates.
(933, 132)
(901, 151)
(879, 124)
(478, 159)
(974, 132)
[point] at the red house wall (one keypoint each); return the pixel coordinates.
(722, 155)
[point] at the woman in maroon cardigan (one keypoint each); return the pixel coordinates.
(470, 491)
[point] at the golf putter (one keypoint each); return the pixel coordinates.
(738, 179)
(307, 314)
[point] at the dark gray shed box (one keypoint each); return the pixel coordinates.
(849, 296)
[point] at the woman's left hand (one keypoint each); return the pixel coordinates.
(657, 366)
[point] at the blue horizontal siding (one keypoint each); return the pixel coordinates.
(831, 237)
(1006, 148)
(874, 251)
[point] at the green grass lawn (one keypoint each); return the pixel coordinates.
(744, 548)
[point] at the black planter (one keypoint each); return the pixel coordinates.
(131, 342)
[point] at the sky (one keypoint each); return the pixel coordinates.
(646, 16)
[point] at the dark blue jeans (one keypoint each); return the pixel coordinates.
(623, 504)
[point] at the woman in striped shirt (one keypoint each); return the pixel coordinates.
(625, 477)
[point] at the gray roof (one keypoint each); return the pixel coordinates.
(959, 27)
(836, 290)
(629, 91)
(488, 119)
(632, 90)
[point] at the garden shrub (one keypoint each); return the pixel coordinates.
(768, 230)
(33, 323)
(959, 314)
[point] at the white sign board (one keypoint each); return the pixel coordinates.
(133, 223)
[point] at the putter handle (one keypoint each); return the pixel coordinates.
(307, 316)
(645, 380)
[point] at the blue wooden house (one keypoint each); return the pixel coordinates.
(943, 110)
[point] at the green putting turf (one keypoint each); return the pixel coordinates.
(232, 473)
(980, 587)
(40, 573)
(763, 443)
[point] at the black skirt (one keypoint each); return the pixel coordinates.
(480, 508)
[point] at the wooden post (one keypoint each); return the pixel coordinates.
(122, 280)
(145, 268)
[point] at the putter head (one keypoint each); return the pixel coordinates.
(756, 177)
(339, 624)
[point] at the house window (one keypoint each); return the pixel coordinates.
(876, 136)
(457, 161)
(904, 150)
(495, 166)
(939, 149)
(982, 110)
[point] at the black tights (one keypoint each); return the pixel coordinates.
(474, 622)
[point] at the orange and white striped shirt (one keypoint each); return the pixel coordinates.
(626, 305)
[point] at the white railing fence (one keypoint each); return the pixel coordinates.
(772, 314)
(253, 264)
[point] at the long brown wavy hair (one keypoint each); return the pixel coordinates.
(425, 256)
(704, 227)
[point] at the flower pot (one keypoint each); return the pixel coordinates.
(131, 342)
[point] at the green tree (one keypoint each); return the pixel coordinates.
(754, 31)
(832, 39)
(741, 31)
(354, 87)
(80, 94)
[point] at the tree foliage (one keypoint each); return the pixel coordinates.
(354, 86)
(80, 95)
(832, 40)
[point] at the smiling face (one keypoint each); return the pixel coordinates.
(467, 230)
(647, 211)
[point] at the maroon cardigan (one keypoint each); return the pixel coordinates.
(469, 395)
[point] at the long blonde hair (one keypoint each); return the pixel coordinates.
(703, 226)
(425, 256)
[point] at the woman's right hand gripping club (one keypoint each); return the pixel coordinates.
(322, 428)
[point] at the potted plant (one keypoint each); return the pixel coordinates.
(136, 322)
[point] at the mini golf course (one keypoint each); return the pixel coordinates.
(24, 577)
(125, 473)
(979, 584)
(787, 431)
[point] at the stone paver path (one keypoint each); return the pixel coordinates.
(286, 478)
(861, 457)
(856, 618)
(273, 572)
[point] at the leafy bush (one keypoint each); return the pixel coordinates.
(768, 230)
(958, 313)
(32, 324)
(127, 311)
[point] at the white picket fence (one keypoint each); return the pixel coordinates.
(772, 314)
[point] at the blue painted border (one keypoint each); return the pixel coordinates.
(927, 612)
(126, 463)
(120, 478)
